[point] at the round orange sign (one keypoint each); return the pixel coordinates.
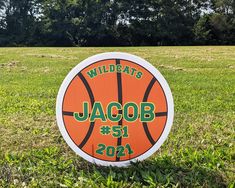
(114, 108)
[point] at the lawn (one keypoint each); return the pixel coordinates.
(199, 151)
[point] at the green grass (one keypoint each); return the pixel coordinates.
(199, 151)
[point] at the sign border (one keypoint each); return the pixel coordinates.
(124, 56)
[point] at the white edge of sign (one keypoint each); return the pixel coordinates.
(114, 55)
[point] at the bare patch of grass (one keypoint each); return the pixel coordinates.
(172, 68)
(22, 134)
(10, 64)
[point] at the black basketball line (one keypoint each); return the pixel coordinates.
(145, 125)
(90, 130)
(92, 98)
(67, 113)
(146, 95)
(119, 82)
(158, 114)
(87, 135)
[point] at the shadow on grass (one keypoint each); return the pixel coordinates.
(160, 172)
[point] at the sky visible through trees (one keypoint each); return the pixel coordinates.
(116, 22)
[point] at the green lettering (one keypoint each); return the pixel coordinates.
(97, 112)
(147, 112)
(139, 75)
(110, 116)
(133, 71)
(111, 68)
(119, 68)
(84, 116)
(105, 70)
(92, 73)
(126, 70)
(126, 115)
(100, 69)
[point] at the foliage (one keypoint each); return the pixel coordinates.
(116, 22)
(219, 26)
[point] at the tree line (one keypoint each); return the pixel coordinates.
(116, 22)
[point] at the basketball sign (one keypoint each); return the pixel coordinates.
(114, 109)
